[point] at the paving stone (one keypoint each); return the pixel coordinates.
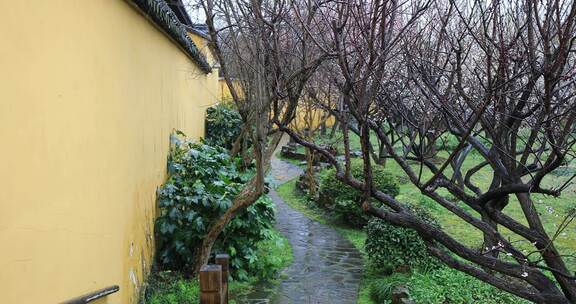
(326, 268)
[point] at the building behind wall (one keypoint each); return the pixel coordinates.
(89, 94)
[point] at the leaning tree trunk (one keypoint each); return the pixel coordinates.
(249, 194)
(237, 145)
(323, 128)
(310, 172)
(457, 163)
(498, 204)
(245, 198)
(334, 129)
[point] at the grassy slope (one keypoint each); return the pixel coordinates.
(551, 217)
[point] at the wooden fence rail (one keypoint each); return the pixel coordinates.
(214, 281)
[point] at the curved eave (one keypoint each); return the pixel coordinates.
(161, 14)
(197, 32)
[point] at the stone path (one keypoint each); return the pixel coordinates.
(326, 269)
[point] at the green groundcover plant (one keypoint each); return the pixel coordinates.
(343, 199)
(389, 246)
(223, 125)
(450, 286)
(440, 286)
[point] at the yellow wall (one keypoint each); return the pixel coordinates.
(312, 120)
(224, 93)
(301, 120)
(221, 86)
(89, 93)
(202, 45)
(213, 84)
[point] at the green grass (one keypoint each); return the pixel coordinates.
(298, 201)
(173, 288)
(274, 255)
(169, 287)
(338, 141)
(447, 285)
(465, 233)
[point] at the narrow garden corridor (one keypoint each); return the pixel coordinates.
(326, 267)
(424, 152)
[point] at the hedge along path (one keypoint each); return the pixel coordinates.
(326, 268)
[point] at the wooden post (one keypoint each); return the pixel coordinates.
(211, 284)
(224, 261)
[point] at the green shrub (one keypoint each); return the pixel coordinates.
(242, 236)
(450, 286)
(202, 183)
(223, 125)
(273, 255)
(392, 246)
(344, 199)
(381, 288)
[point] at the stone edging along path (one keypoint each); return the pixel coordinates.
(326, 269)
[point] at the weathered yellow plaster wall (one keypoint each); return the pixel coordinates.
(89, 93)
(225, 94)
(310, 118)
(202, 45)
(301, 121)
(213, 87)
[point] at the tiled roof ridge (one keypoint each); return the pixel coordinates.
(163, 16)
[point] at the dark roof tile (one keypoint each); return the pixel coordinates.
(161, 13)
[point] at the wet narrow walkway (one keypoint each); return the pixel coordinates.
(326, 269)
